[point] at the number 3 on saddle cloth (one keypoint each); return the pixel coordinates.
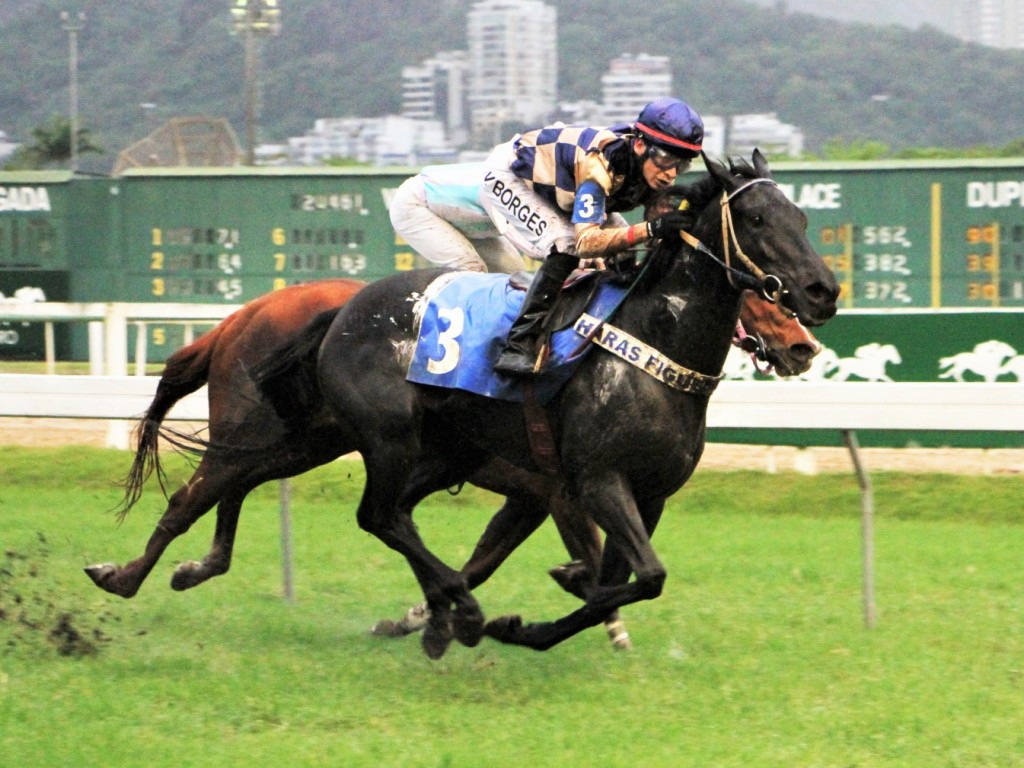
(464, 318)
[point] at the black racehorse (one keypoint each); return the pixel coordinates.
(626, 439)
(249, 443)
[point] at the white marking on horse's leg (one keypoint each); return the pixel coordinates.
(618, 635)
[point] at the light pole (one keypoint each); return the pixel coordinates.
(148, 108)
(73, 25)
(252, 18)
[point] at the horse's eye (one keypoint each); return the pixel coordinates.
(757, 220)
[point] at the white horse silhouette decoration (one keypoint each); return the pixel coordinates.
(868, 362)
(26, 294)
(1014, 367)
(989, 359)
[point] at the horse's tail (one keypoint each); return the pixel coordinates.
(184, 372)
(287, 376)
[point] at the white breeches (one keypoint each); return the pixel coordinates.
(449, 236)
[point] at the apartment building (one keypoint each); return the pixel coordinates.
(380, 141)
(631, 82)
(763, 131)
(513, 64)
(996, 23)
(437, 89)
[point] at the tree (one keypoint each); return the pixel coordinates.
(51, 144)
(858, 149)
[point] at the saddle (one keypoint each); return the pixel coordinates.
(577, 293)
(465, 317)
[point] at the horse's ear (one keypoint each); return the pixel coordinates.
(718, 172)
(761, 165)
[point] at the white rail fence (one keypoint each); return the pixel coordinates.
(108, 325)
(778, 405)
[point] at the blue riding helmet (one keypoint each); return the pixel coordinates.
(671, 125)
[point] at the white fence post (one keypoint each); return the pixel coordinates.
(115, 337)
(97, 357)
(140, 348)
(286, 542)
(867, 525)
(51, 353)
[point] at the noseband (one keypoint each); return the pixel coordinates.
(768, 286)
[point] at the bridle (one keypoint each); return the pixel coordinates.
(755, 346)
(767, 286)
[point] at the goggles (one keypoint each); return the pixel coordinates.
(665, 160)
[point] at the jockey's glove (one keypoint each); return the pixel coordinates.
(671, 223)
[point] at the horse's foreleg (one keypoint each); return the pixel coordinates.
(583, 540)
(454, 612)
(628, 529)
(511, 525)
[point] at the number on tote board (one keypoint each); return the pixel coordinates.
(881, 290)
(887, 235)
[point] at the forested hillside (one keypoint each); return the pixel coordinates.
(941, 14)
(836, 80)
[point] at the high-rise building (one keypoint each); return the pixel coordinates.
(997, 23)
(7, 146)
(631, 83)
(513, 60)
(437, 90)
(765, 132)
(389, 140)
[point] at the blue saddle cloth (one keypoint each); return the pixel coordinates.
(466, 317)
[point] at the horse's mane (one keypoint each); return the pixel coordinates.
(698, 196)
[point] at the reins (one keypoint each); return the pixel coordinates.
(768, 286)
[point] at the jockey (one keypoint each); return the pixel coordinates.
(440, 215)
(556, 192)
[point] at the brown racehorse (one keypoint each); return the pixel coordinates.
(249, 443)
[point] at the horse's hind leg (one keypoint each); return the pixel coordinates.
(384, 512)
(217, 561)
(510, 526)
(187, 504)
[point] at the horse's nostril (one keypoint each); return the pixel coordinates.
(821, 292)
(802, 352)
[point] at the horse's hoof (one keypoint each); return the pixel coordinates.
(415, 619)
(622, 644)
(186, 576)
(573, 577)
(436, 641)
(100, 572)
(503, 628)
(102, 575)
(618, 635)
(468, 627)
(387, 628)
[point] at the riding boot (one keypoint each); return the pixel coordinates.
(520, 353)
